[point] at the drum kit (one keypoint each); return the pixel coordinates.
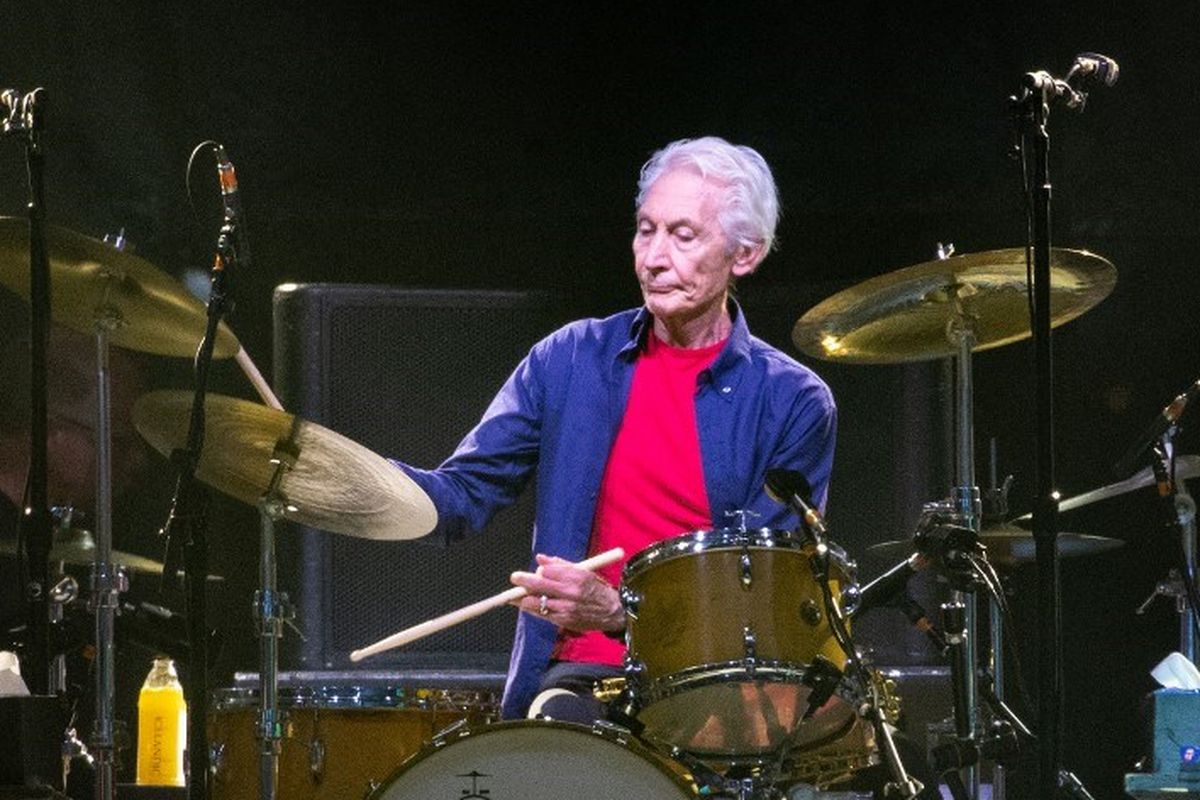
(742, 679)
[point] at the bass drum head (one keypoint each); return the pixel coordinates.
(538, 760)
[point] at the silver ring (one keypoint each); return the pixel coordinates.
(542, 609)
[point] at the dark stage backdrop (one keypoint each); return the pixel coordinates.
(461, 146)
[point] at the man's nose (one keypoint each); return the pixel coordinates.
(657, 251)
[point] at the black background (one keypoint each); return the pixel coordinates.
(457, 145)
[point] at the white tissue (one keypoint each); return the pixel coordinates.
(11, 682)
(1176, 672)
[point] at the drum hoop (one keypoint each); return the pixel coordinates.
(609, 732)
(351, 696)
(723, 672)
(734, 672)
(723, 539)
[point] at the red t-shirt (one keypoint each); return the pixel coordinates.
(653, 485)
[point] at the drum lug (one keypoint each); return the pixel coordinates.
(811, 613)
(631, 600)
(744, 565)
(750, 647)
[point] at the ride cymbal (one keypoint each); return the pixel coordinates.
(335, 484)
(907, 315)
(91, 281)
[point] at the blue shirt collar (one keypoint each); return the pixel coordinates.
(724, 369)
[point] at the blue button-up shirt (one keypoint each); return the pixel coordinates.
(557, 416)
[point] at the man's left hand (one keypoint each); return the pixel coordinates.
(570, 597)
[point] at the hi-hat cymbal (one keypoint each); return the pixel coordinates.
(335, 484)
(1186, 467)
(1008, 545)
(906, 315)
(146, 309)
(76, 547)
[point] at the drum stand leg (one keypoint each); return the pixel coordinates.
(272, 610)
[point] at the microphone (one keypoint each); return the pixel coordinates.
(232, 201)
(229, 186)
(1161, 424)
(919, 619)
(789, 486)
(1102, 67)
(945, 543)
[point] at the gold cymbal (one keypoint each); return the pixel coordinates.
(906, 315)
(335, 484)
(90, 280)
(1008, 545)
(77, 547)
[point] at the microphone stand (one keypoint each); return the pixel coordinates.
(902, 783)
(188, 522)
(24, 120)
(1031, 112)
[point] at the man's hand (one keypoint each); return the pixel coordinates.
(574, 598)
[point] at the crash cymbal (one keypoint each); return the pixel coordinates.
(905, 315)
(1009, 545)
(76, 547)
(1186, 467)
(89, 279)
(335, 484)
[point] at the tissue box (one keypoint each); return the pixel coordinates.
(1176, 748)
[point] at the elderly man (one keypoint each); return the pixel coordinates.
(641, 426)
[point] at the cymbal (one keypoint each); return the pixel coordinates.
(1009, 545)
(89, 279)
(77, 547)
(335, 484)
(905, 315)
(1186, 467)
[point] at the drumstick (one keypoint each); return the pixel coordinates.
(256, 379)
(474, 610)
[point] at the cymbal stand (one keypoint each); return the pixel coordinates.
(272, 610)
(108, 580)
(968, 506)
(1180, 508)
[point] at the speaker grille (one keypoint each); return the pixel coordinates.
(406, 373)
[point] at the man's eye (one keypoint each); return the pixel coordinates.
(685, 234)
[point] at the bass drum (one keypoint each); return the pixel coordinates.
(339, 740)
(538, 760)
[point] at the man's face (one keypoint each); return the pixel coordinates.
(683, 260)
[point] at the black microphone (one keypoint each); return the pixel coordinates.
(1100, 66)
(232, 201)
(791, 487)
(946, 544)
(1161, 424)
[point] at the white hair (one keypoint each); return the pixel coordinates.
(749, 208)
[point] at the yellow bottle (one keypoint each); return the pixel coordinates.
(162, 727)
